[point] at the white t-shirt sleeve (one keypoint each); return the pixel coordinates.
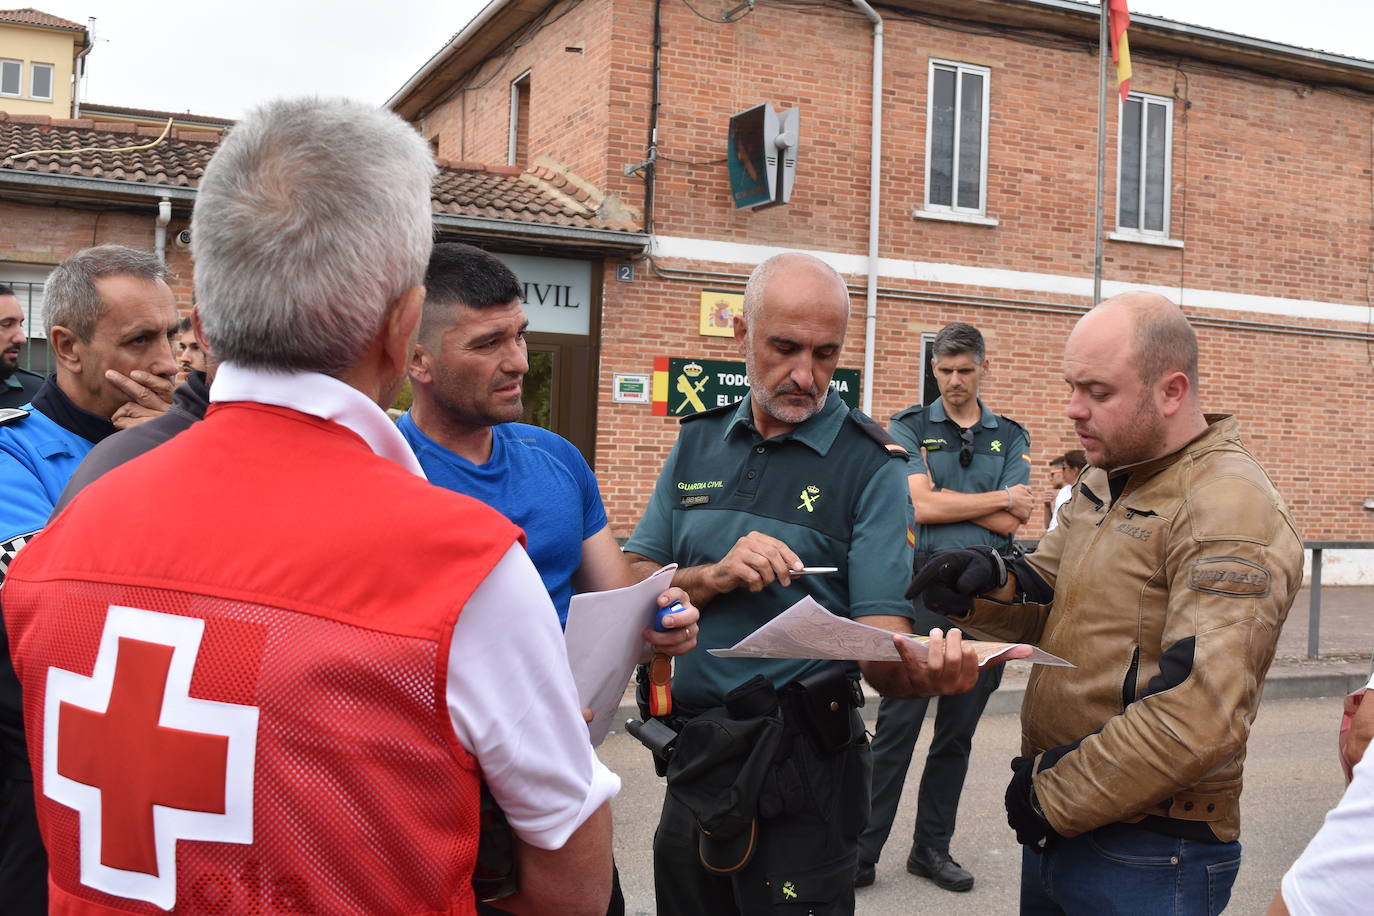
(1334, 876)
(1059, 499)
(514, 706)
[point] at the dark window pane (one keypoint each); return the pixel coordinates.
(42, 82)
(9, 77)
(1156, 130)
(538, 390)
(942, 138)
(971, 140)
(1128, 202)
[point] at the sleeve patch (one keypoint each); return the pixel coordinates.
(1230, 576)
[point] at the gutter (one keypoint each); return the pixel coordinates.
(1196, 31)
(109, 188)
(874, 202)
(620, 241)
(105, 187)
(472, 28)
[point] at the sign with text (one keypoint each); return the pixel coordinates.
(630, 389)
(558, 292)
(686, 386)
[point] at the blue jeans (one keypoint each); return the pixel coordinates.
(1126, 869)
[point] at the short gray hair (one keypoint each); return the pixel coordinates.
(312, 218)
(763, 273)
(69, 295)
(957, 337)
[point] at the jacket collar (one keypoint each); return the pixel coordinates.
(1221, 427)
(53, 403)
(937, 413)
(817, 433)
(319, 396)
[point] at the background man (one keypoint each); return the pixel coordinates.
(791, 477)
(1071, 464)
(190, 400)
(17, 386)
(110, 318)
(190, 353)
(346, 624)
(1166, 582)
(467, 373)
(968, 478)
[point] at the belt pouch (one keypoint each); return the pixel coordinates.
(821, 700)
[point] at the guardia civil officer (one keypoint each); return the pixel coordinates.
(968, 477)
(17, 386)
(750, 494)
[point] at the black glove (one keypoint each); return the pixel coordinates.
(1023, 811)
(951, 578)
(1023, 814)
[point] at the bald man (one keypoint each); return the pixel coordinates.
(1166, 582)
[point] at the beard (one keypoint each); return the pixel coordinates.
(777, 408)
(1140, 439)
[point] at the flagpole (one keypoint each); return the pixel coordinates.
(1103, 53)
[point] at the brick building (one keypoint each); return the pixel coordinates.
(1244, 193)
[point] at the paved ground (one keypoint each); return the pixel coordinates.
(1292, 778)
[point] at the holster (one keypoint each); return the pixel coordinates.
(819, 703)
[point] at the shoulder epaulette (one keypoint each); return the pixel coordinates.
(1010, 422)
(11, 414)
(909, 412)
(724, 408)
(879, 435)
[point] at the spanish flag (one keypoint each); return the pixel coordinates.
(1118, 21)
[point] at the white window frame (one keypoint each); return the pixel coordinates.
(516, 85)
(52, 75)
(953, 211)
(19, 65)
(1139, 233)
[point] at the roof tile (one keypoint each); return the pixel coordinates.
(30, 16)
(460, 189)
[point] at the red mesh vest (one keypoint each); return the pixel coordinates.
(233, 652)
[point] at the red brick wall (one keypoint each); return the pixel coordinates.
(568, 93)
(48, 235)
(1271, 191)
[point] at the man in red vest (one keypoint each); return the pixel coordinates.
(294, 709)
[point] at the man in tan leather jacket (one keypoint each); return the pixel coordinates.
(1166, 583)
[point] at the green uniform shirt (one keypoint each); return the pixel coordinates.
(1001, 459)
(827, 490)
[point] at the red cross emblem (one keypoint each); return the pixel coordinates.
(144, 763)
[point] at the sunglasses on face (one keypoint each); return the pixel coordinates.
(965, 447)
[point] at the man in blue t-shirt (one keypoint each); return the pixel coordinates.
(467, 374)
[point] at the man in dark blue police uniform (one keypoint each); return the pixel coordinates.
(968, 477)
(17, 386)
(749, 495)
(111, 318)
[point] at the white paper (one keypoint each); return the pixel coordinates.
(605, 639)
(808, 630)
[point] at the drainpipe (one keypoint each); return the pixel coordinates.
(164, 216)
(81, 68)
(874, 199)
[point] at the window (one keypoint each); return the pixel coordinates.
(930, 389)
(1143, 172)
(957, 139)
(11, 72)
(518, 148)
(40, 81)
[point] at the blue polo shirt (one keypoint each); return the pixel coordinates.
(535, 478)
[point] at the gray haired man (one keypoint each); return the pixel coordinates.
(342, 625)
